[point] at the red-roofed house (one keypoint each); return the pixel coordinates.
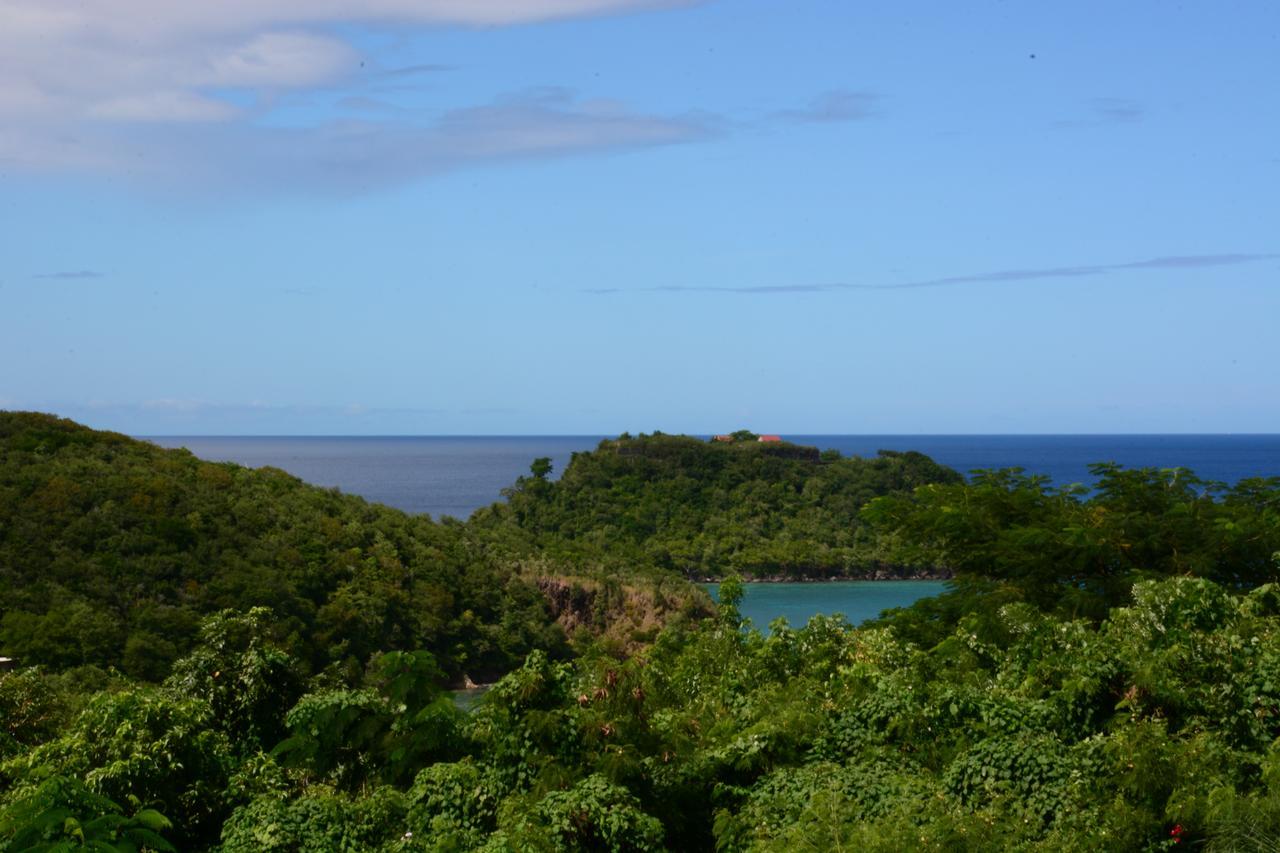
(770, 438)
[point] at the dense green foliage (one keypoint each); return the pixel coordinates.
(1104, 675)
(1020, 730)
(112, 550)
(1015, 536)
(709, 509)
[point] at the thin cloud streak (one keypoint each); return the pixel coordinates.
(190, 406)
(1107, 111)
(415, 70)
(187, 406)
(170, 416)
(1172, 262)
(69, 275)
(1117, 109)
(840, 105)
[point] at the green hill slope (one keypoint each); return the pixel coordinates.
(111, 549)
(710, 508)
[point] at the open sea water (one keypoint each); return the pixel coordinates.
(455, 475)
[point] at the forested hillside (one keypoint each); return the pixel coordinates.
(707, 509)
(1014, 537)
(112, 550)
(217, 658)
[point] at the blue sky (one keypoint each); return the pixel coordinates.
(590, 216)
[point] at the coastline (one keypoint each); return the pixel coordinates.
(879, 575)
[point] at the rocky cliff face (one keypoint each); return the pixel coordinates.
(626, 614)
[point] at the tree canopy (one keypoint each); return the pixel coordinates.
(706, 509)
(218, 658)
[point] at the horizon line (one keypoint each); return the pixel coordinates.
(1242, 434)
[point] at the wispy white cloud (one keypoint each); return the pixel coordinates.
(278, 60)
(1173, 262)
(161, 106)
(382, 149)
(162, 20)
(110, 86)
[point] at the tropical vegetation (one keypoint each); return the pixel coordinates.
(209, 657)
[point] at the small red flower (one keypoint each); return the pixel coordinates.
(1176, 832)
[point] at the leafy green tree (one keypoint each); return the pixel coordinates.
(730, 595)
(319, 821)
(63, 814)
(454, 805)
(33, 709)
(247, 680)
(386, 731)
(1083, 553)
(592, 815)
(144, 745)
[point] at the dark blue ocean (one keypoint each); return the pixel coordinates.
(454, 475)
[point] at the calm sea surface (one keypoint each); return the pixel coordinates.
(857, 601)
(440, 475)
(455, 475)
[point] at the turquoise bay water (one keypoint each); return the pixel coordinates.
(858, 601)
(466, 700)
